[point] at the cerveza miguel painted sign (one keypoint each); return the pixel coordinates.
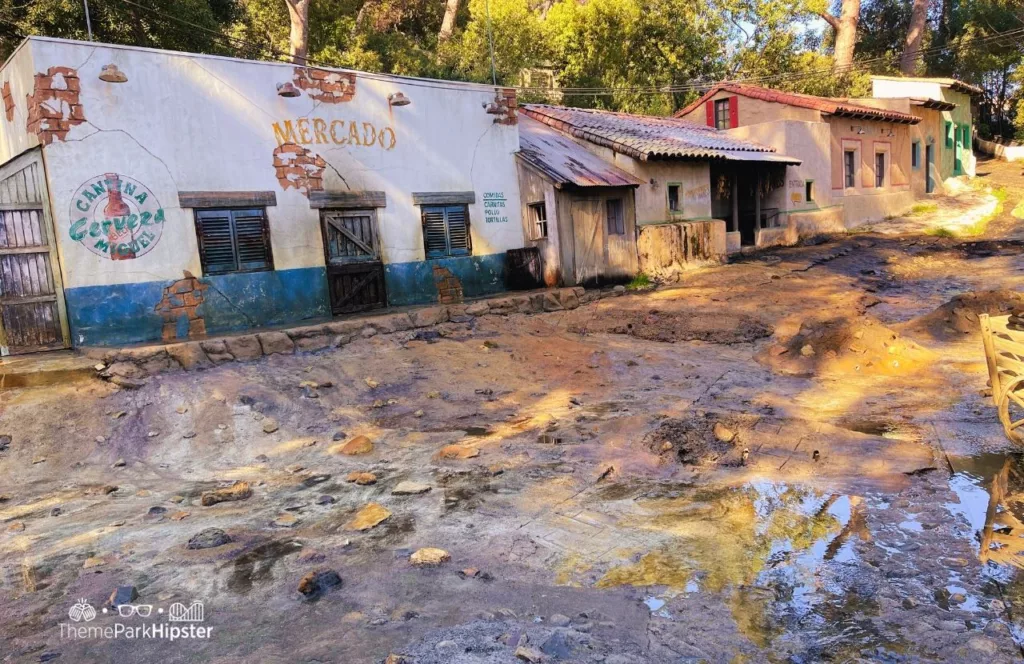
(318, 131)
(116, 217)
(494, 207)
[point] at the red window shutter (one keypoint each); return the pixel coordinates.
(709, 107)
(734, 112)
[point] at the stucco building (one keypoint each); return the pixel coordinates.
(855, 157)
(147, 194)
(702, 192)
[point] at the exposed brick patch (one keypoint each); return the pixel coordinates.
(179, 303)
(299, 168)
(332, 87)
(449, 288)
(8, 101)
(508, 96)
(54, 106)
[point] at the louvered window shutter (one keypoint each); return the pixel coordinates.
(216, 245)
(435, 235)
(734, 112)
(709, 110)
(458, 231)
(233, 240)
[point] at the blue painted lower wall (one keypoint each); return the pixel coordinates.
(124, 314)
(413, 283)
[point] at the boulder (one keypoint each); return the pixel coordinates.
(209, 539)
(235, 492)
(245, 348)
(429, 556)
(276, 342)
(428, 316)
(318, 582)
(189, 355)
(356, 446)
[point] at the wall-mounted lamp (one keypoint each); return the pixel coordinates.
(857, 129)
(111, 74)
(398, 99)
(891, 133)
(287, 89)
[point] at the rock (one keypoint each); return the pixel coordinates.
(429, 556)
(457, 452)
(123, 595)
(418, 413)
(208, 539)
(285, 521)
(39, 459)
(156, 512)
(318, 582)
(559, 620)
(269, 425)
(276, 342)
(56, 511)
(120, 463)
(428, 316)
(189, 355)
(325, 500)
(294, 468)
(807, 350)
(338, 435)
(396, 659)
(5, 442)
(245, 348)
(447, 647)
(94, 561)
(371, 383)
(477, 309)
(361, 478)
(408, 488)
(528, 654)
(367, 517)
(237, 491)
(16, 527)
(356, 446)
(723, 433)
(469, 573)
(557, 645)
(313, 480)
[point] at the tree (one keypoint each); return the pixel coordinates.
(915, 38)
(845, 28)
(298, 41)
(451, 10)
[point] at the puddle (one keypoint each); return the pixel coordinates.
(990, 498)
(256, 565)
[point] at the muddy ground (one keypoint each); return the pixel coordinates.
(785, 459)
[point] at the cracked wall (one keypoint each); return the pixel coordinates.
(449, 288)
(179, 308)
(54, 106)
(8, 101)
(299, 168)
(329, 87)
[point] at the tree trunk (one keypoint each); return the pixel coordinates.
(846, 34)
(451, 8)
(298, 13)
(915, 38)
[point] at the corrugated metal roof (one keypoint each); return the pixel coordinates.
(647, 137)
(565, 161)
(823, 104)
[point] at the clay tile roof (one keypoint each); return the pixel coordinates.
(649, 137)
(824, 104)
(565, 161)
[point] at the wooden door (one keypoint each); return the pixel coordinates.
(355, 273)
(929, 169)
(588, 225)
(32, 314)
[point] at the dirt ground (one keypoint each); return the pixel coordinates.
(789, 458)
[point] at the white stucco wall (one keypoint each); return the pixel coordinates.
(185, 122)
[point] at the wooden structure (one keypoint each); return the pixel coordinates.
(1004, 353)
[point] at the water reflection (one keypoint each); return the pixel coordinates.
(990, 490)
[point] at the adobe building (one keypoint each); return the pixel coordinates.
(148, 194)
(855, 158)
(701, 194)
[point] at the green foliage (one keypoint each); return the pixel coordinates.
(518, 42)
(639, 282)
(924, 208)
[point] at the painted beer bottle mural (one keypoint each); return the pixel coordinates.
(117, 212)
(116, 217)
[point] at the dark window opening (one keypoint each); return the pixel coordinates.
(673, 198)
(616, 217)
(234, 240)
(809, 191)
(446, 231)
(539, 217)
(722, 114)
(880, 170)
(850, 167)
(915, 154)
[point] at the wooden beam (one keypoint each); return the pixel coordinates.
(444, 198)
(217, 199)
(347, 199)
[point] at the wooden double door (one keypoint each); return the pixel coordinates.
(355, 272)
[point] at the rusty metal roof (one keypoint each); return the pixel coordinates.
(565, 161)
(648, 137)
(825, 105)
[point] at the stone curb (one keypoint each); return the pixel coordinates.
(128, 367)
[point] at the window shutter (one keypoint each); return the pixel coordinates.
(458, 231)
(251, 240)
(709, 108)
(435, 237)
(215, 242)
(734, 112)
